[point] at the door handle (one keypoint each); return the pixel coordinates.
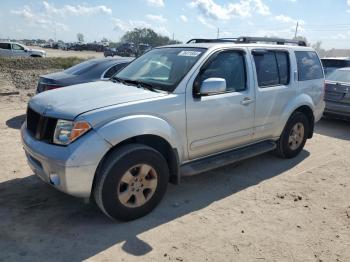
(247, 101)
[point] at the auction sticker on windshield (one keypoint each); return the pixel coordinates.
(189, 53)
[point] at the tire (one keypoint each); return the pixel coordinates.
(110, 186)
(287, 148)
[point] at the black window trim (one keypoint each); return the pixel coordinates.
(105, 72)
(278, 71)
(196, 83)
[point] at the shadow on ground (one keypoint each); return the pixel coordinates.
(333, 128)
(16, 122)
(38, 223)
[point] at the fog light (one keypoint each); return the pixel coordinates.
(54, 179)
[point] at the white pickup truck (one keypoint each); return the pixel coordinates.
(9, 49)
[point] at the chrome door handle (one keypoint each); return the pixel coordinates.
(247, 101)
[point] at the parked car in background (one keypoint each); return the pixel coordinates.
(110, 52)
(337, 94)
(331, 64)
(126, 49)
(175, 111)
(9, 49)
(142, 48)
(88, 71)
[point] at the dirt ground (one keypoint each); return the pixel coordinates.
(265, 209)
(61, 53)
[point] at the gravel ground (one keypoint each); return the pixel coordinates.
(265, 209)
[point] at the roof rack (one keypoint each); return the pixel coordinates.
(248, 40)
(278, 41)
(217, 40)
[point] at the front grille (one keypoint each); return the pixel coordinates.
(41, 127)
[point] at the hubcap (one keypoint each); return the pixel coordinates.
(137, 185)
(296, 136)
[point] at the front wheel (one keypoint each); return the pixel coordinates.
(294, 136)
(131, 182)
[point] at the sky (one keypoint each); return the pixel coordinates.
(327, 21)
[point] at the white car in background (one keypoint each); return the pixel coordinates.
(8, 49)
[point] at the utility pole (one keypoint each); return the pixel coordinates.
(173, 36)
(296, 30)
(218, 34)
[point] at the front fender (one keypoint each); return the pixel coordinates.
(124, 128)
(295, 103)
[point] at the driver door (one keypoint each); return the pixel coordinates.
(18, 50)
(221, 121)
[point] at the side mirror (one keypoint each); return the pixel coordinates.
(26, 50)
(212, 86)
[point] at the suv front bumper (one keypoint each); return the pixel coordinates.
(71, 168)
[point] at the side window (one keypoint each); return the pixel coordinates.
(266, 69)
(229, 65)
(17, 47)
(113, 70)
(309, 66)
(272, 68)
(5, 46)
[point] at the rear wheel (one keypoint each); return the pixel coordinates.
(294, 136)
(131, 182)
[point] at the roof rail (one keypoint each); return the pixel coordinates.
(278, 41)
(204, 40)
(247, 40)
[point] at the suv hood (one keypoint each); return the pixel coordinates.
(67, 103)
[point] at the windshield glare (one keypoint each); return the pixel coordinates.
(163, 68)
(339, 76)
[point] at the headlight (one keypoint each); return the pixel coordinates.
(67, 131)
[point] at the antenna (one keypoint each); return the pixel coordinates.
(296, 30)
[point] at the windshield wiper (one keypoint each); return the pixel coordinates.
(120, 80)
(138, 84)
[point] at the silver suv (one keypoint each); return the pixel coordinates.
(8, 49)
(175, 111)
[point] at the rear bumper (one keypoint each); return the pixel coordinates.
(337, 109)
(69, 169)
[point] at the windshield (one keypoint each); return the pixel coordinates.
(81, 68)
(339, 76)
(162, 68)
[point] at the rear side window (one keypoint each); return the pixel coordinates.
(309, 66)
(5, 46)
(272, 68)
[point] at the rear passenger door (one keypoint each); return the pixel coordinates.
(275, 87)
(5, 50)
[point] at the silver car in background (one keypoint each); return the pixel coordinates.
(10, 49)
(337, 95)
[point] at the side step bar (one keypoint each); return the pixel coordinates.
(226, 158)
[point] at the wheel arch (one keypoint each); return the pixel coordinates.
(303, 104)
(156, 142)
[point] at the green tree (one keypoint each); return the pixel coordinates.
(146, 36)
